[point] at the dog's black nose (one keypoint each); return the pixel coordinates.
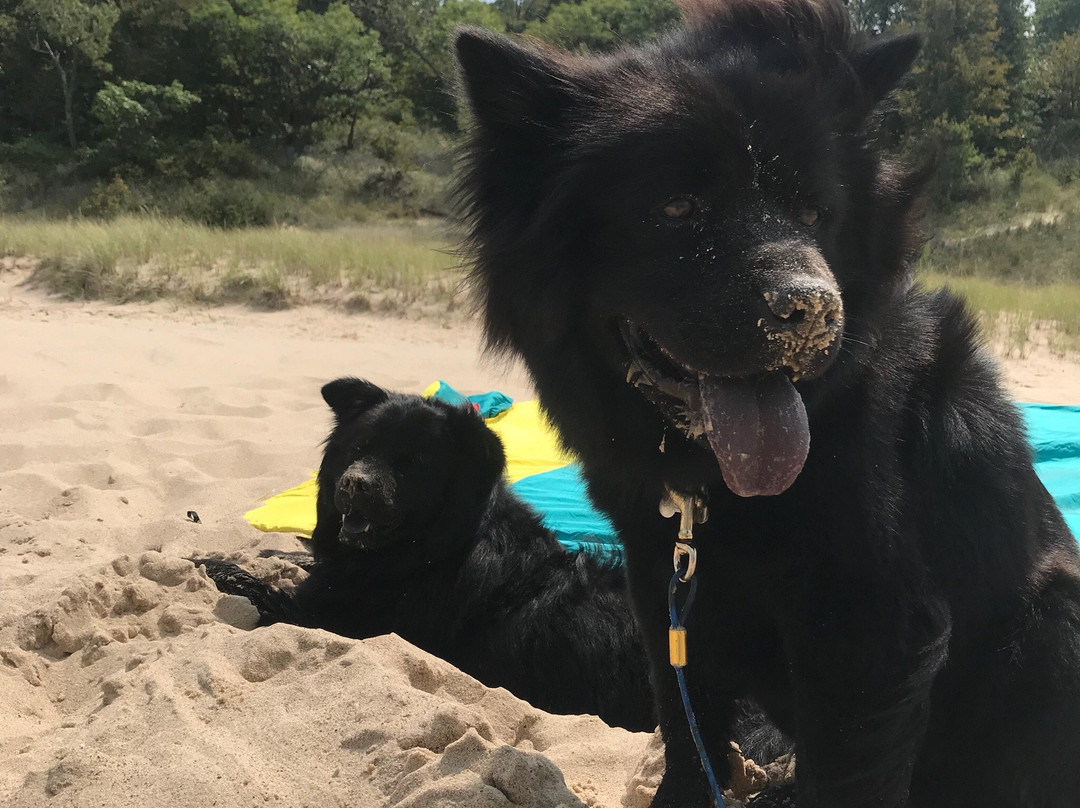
(351, 488)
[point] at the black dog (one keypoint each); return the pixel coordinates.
(418, 534)
(704, 259)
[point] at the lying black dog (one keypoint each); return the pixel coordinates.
(418, 534)
(704, 259)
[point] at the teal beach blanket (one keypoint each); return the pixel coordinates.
(1054, 433)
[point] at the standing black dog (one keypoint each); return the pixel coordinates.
(703, 258)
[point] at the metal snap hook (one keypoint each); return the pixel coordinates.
(689, 552)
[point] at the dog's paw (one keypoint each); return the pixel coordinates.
(231, 579)
(303, 560)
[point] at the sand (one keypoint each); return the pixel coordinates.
(126, 679)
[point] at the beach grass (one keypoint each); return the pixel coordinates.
(1015, 255)
(402, 265)
(393, 263)
(1013, 313)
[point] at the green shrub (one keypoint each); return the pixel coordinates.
(213, 155)
(37, 152)
(108, 200)
(1023, 165)
(229, 204)
(383, 182)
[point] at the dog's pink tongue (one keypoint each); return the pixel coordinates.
(758, 431)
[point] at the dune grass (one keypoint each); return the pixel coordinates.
(1015, 256)
(1012, 311)
(399, 266)
(390, 264)
(1028, 234)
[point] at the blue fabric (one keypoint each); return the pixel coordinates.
(1054, 433)
(560, 498)
(487, 404)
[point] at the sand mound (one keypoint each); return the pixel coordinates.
(126, 679)
(133, 688)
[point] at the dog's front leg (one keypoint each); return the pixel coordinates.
(863, 656)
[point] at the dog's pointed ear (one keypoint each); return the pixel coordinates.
(511, 86)
(349, 396)
(480, 448)
(881, 62)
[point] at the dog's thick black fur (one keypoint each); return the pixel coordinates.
(655, 231)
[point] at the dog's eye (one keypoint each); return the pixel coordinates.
(809, 216)
(681, 207)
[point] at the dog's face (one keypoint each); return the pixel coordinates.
(702, 213)
(400, 472)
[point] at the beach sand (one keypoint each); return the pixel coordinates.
(126, 679)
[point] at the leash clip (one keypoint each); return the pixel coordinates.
(689, 552)
(691, 509)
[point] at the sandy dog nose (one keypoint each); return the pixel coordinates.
(805, 309)
(803, 320)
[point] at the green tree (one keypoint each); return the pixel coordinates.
(1056, 86)
(584, 27)
(1012, 48)
(280, 72)
(517, 14)
(957, 98)
(875, 15)
(1053, 19)
(70, 34)
(600, 25)
(7, 31)
(416, 37)
(135, 118)
(647, 18)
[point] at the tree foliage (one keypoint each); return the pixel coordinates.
(137, 120)
(69, 34)
(1056, 85)
(199, 87)
(1054, 19)
(282, 72)
(599, 25)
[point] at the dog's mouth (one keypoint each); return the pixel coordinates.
(357, 530)
(756, 425)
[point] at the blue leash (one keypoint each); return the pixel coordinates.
(677, 648)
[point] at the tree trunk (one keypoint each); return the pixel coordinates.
(352, 131)
(68, 85)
